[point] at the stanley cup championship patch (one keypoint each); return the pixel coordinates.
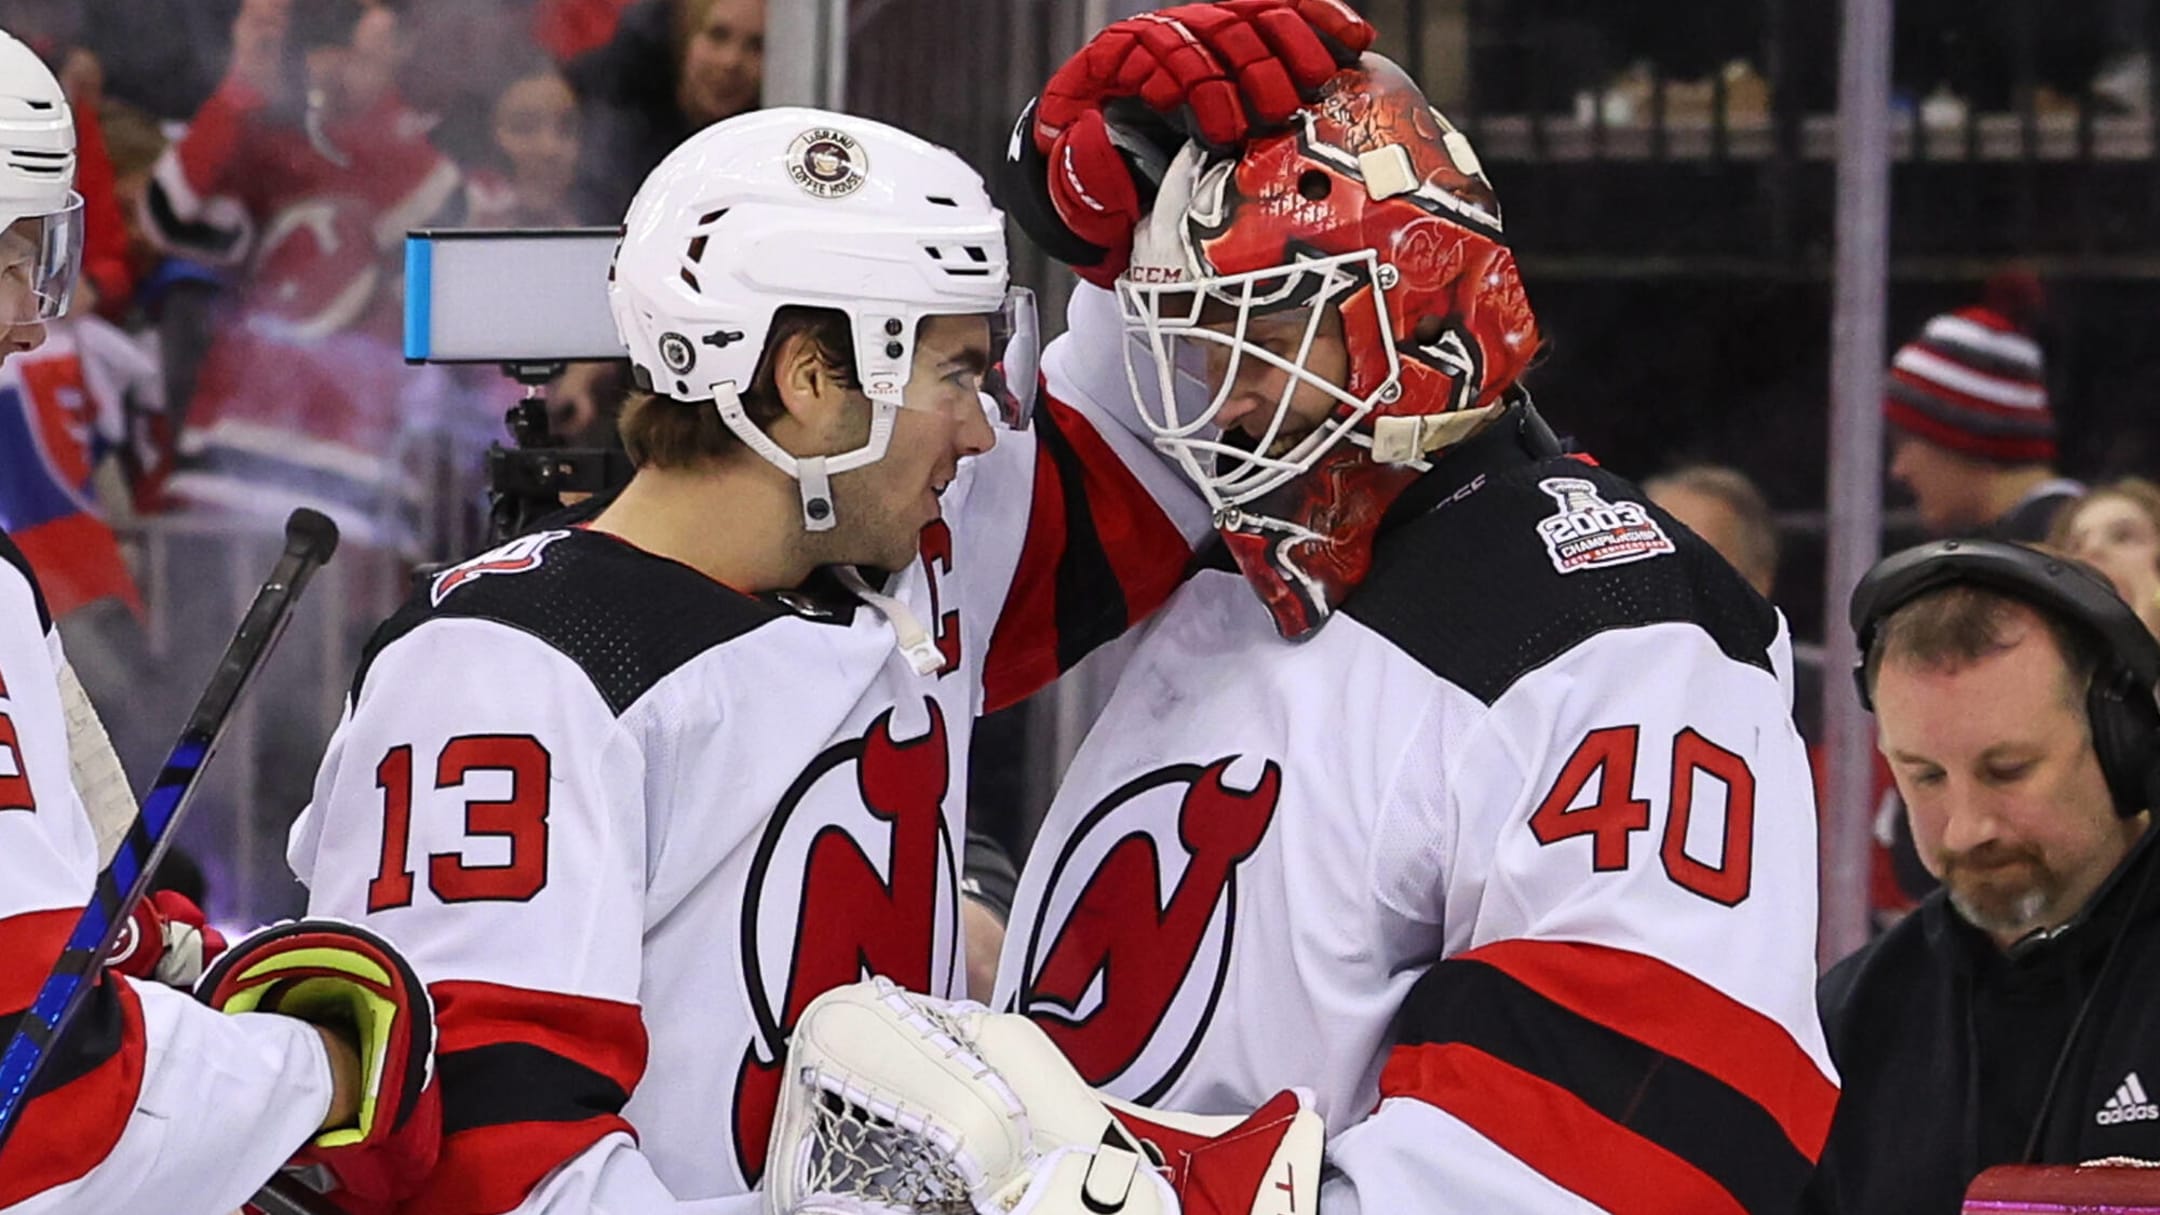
(1590, 533)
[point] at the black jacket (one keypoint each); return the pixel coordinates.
(626, 92)
(1945, 1046)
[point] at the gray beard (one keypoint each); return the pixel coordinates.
(2012, 917)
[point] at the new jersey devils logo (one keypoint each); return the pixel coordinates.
(869, 890)
(1123, 979)
(517, 557)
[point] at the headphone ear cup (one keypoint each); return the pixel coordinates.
(2126, 740)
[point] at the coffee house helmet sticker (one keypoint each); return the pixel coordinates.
(828, 163)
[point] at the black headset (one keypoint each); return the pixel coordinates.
(2124, 714)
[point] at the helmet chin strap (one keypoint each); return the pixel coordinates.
(812, 474)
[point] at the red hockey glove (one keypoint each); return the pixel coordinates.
(342, 976)
(1216, 70)
(165, 939)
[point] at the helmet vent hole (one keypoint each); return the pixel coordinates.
(712, 217)
(35, 104)
(936, 254)
(975, 254)
(937, 201)
(691, 279)
(1314, 184)
(697, 248)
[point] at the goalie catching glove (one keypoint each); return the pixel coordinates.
(1087, 154)
(899, 1103)
(347, 979)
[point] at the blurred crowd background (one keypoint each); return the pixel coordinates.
(1668, 172)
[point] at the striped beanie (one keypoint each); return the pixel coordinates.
(1974, 382)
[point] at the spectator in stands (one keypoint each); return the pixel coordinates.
(1725, 508)
(673, 68)
(1974, 436)
(305, 186)
(2009, 1018)
(2116, 530)
(526, 183)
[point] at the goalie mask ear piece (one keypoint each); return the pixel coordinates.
(2120, 705)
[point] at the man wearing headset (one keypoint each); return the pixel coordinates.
(2012, 1018)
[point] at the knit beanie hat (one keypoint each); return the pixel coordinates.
(1973, 381)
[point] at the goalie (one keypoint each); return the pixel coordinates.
(1459, 784)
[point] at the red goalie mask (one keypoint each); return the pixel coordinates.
(1315, 319)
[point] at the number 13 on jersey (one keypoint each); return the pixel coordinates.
(520, 818)
(1606, 758)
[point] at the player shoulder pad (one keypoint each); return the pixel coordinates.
(1526, 562)
(626, 617)
(11, 555)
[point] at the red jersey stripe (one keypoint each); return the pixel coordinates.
(1552, 1131)
(1146, 553)
(491, 1167)
(63, 1134)
(605, 1035)
(1675, 1013)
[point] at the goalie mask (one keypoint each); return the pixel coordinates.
(805, 207)
(41, 228)
(1314, 320)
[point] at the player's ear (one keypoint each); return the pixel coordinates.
(809, 388)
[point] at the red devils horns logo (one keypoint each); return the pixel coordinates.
(516, 557)
(1121, 978)
(855, 875)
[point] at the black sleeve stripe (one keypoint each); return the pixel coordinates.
(14, 556)
(512, 1082)
(94, 1036)
(1091, 604)
(1665, 1100)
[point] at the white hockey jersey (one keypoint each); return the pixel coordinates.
(628, 822)
(150, 1102)
(1512, 863)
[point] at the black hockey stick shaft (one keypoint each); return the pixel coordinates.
(310, 539)
(285, 1195)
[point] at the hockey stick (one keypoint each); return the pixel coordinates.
(310, 538)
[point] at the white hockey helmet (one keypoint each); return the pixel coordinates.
(811, 208)
(40, 212)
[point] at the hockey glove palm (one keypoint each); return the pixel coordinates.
(343, 977)
(1081, 170)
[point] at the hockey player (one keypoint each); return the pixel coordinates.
(151, 1101)
(634, 793)
(1459, 786)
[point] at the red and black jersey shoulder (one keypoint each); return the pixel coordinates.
(12, 555)
(1481, 596)
(627, 618)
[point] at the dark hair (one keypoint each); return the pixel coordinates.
(662, 432)
(1963, 623)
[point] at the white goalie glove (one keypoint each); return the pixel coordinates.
(898, 1104)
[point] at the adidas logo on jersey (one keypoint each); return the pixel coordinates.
(2129, 1104)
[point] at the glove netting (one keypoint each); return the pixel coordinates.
(870, 1148)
